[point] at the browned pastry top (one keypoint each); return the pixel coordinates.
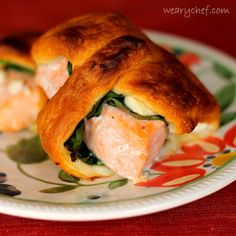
(15, 48)
(78, 39)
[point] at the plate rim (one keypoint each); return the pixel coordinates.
(103, 211)
(135, 207)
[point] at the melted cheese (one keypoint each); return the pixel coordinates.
(2, 76)
(138, 107)
(16, 86)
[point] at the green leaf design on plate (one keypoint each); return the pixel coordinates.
(60, 189)
(225, 96)
(222, 71)
(117, 183)
(227, 117)
(27, 151)
(67, 178)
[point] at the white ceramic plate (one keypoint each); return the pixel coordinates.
(30, 185)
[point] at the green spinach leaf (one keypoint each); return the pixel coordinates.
(73, 143)
(69, 68)
(11, 66)
(87, 156)
(78, 149)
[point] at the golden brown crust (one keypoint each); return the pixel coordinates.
(16, 49)
(42, 97)
(171, 90)
(131, 65)
(73, 38)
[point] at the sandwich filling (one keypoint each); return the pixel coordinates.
(17, 87)
(119, 132)
(52, 76)
(114, 135)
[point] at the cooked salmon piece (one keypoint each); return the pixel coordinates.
(52, 76)
(124, 143)
(20, 100)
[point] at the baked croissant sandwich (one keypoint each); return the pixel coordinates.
(20, 98)
(116, 97)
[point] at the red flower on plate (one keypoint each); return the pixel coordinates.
(179, 169)
(174, 178)
(230, 136)
(210, 145)
(189, 59)
(177, 161)
(182, 168)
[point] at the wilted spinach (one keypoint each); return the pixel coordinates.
(117, 100)
(11, 66)
(69, 68)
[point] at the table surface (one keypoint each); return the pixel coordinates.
(212, 215)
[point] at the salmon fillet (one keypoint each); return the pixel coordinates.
(52, 76)
(124, 143)
(19, 101)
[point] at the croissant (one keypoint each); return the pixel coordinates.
(115, 97)
(21, 99)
